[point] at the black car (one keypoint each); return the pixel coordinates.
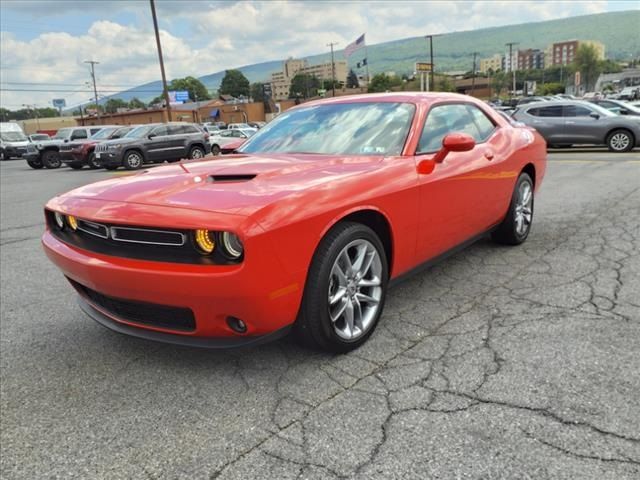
(153, 143)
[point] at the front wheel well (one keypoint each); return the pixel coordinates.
(377, 222)
(531, 171)
(199, 145)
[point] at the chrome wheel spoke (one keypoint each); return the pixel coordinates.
(339, 295)
(335, 316)
(360, 258)
(349, 320)
(357, 316)
(369, 282)
(361, 297)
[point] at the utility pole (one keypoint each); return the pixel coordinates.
(164, 77)
(95, 90)
(333, 68)
(473, 74)
(513, 70)
(431, 74)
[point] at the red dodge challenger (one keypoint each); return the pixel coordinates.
(304, 228)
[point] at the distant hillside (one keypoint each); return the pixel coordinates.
(618, 31)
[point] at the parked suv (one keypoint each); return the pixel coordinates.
(568, 123)
(78, 154)
(47, 153)
(153, 143)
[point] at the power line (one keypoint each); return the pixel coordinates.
(54, 90)
(65, 84)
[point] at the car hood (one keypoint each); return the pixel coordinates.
(240, 184)
(119, 141)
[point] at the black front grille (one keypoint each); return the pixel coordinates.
(163, 316)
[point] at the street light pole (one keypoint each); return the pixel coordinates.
(95, 90)
(333, 69)
(473, 73)
(164, 77)
(513, 71)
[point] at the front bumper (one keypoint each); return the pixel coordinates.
(14, 152)
(212, 293)
(110, 158)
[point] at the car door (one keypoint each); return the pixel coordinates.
(177, 141)
(548, 121)
(157, 143)
(463, 195)
(583, 125)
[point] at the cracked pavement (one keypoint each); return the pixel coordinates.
(500, 362)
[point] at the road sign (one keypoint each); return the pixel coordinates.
(266, 89)
(423, 67)
(182, 96)
(577, 79)
(59, 102)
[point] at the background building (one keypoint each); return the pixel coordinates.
(563, 53)
(530, 59)
(281, 81)
(492, 63)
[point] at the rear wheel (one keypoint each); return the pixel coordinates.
(133, 160)
(620, 141)
(92, 162)
(515, 227)
(345, 291)
(51, 159)
(196, 152)
(215, 150)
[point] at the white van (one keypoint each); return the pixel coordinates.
(13, 141)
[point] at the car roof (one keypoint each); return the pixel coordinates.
(397, 97)
(555, 102)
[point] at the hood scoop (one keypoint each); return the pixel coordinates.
(231, 178)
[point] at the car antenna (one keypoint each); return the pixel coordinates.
(183, 167)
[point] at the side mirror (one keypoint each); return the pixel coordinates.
(452, 142)
(594, 115)
(624, 111)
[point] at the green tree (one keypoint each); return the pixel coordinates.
(197, 90)
(136, 103)
(550, 88)
(444, 84)
(113, 104)
(352, 80)
(587, 63)
(257, 92)
(383, 82)
(304, 85)
(500, 81)
(234, 83)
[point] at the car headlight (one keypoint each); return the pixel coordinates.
(39, 146)
(72, 221)
(114, 147)
(232, 245)
(204, 241)
(59, 218)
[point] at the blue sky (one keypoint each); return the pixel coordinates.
(46, 42)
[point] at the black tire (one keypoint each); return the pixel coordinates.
(197, 152)
(314, 327)
(76, 165)
(35, 165)
(111, 167)
(133, 160)
(51, 159)
(215, 150)
(92, 162)
(620, 141)
(507, 233)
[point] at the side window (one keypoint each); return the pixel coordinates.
(444, 119)
(80, 133)
(175, 129)
(94, 130)
(576, 111)
(484, 125)
(190, 129)
(160, 131)
(553, 111)
(236, 133)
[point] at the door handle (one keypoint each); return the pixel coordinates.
(488, 154)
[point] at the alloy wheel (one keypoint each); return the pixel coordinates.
(619, 141)
(355, 289)
(134, 160)
(524, 208)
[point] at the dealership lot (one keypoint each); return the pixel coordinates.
(497, 363)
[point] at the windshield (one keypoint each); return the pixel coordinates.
(629, 107)
(104, 133)
(139, 132)
(62, 133)
(40, 136)
(12, 137)
(365, 128)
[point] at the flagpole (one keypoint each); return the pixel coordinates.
(366, 55)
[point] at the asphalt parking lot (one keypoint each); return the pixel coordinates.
(497, 363)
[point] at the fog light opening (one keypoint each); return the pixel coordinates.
(236, 325)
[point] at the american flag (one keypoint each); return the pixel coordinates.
(352, 47)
